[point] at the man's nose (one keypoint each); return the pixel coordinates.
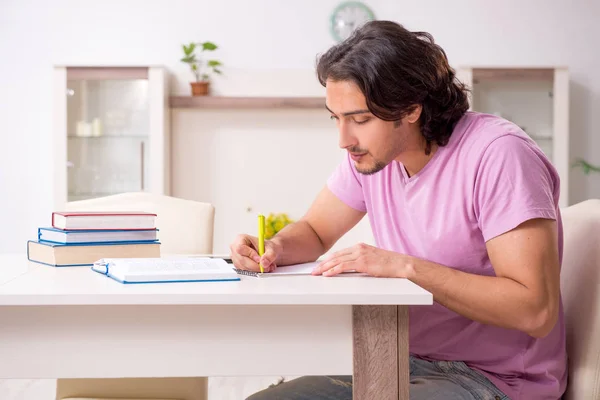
(346, 138)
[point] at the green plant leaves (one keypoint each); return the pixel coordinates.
(189, 49)
(189, 59)
(276, 222)
(214, 64)
(585, 166)
(208, 46)
(195, 64)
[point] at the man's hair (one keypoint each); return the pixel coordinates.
(396, 70)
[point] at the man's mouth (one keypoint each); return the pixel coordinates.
(357, 156)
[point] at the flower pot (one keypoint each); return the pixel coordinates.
(199, 88)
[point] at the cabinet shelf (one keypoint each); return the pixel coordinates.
(128, 107)
(521, 95)
(93, 194)
(513, 74)
(538, 138)
(109, 137)
(246, 102)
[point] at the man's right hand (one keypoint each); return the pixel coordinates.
(244, 254)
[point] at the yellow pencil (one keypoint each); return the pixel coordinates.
(261, 239)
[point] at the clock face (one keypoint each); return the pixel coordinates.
(347, 17)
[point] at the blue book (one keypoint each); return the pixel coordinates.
(163, 270)
(54, 235)
(85, 254)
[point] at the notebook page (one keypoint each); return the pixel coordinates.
(149, 265)
(142, 266)
(297, 269)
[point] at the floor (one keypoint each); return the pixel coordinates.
(219, 388)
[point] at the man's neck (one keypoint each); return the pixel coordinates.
(415, 159)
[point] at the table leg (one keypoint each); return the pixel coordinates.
(380, 347)
(403, 354)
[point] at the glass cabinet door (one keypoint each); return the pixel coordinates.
(107, 135)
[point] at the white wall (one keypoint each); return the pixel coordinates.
(256, 38)
(246, 162)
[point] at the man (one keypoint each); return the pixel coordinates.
(463, 204)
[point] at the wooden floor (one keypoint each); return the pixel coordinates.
(218, 388)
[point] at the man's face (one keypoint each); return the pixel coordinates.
(372, 142)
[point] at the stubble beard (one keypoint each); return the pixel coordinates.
(378, 166)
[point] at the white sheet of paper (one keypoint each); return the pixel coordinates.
(298, 269)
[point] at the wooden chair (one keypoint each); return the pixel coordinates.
(580, 285)
(185, 227)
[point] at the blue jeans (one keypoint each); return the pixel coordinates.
(447, 380)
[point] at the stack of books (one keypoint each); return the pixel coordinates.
(82, 238)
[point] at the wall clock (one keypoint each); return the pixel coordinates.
(347, 17)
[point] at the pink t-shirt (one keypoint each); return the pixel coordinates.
(488, 179)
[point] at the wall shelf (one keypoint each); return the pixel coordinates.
(512, 74)
(246, 102)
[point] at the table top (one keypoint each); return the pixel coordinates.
(26, 283)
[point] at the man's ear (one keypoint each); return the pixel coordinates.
(414, 115)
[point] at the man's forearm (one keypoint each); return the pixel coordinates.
(299, 242)
(488, 299)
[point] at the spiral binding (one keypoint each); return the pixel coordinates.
(245, 272)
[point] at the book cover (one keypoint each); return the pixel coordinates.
(161, 270)
(103, 220)
(54, 235)
(84, 254)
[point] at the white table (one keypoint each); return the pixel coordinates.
(75, 323)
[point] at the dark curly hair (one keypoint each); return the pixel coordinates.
(396, 70)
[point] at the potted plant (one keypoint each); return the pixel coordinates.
(276, 222)
(586, 166)
(200, 70)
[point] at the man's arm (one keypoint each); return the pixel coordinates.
(524, 295)
(326, 221)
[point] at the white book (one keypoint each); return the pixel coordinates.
(96, 236)
(156, 270)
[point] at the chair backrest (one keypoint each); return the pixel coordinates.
(185, 226)
(580, 285)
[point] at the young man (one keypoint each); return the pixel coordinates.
(463, 204)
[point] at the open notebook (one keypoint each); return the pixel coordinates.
(297, 269)
(154, 270)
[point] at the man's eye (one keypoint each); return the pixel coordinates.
(332, 117)
(363, 121)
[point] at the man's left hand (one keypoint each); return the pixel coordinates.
(366, 259)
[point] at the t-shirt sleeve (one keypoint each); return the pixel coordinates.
(344, 182)
(514, 184)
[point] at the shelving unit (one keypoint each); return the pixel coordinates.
(246, 102)
(536, 99)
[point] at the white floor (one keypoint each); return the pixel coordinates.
(219, 388)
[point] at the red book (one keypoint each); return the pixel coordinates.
(103, 220)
